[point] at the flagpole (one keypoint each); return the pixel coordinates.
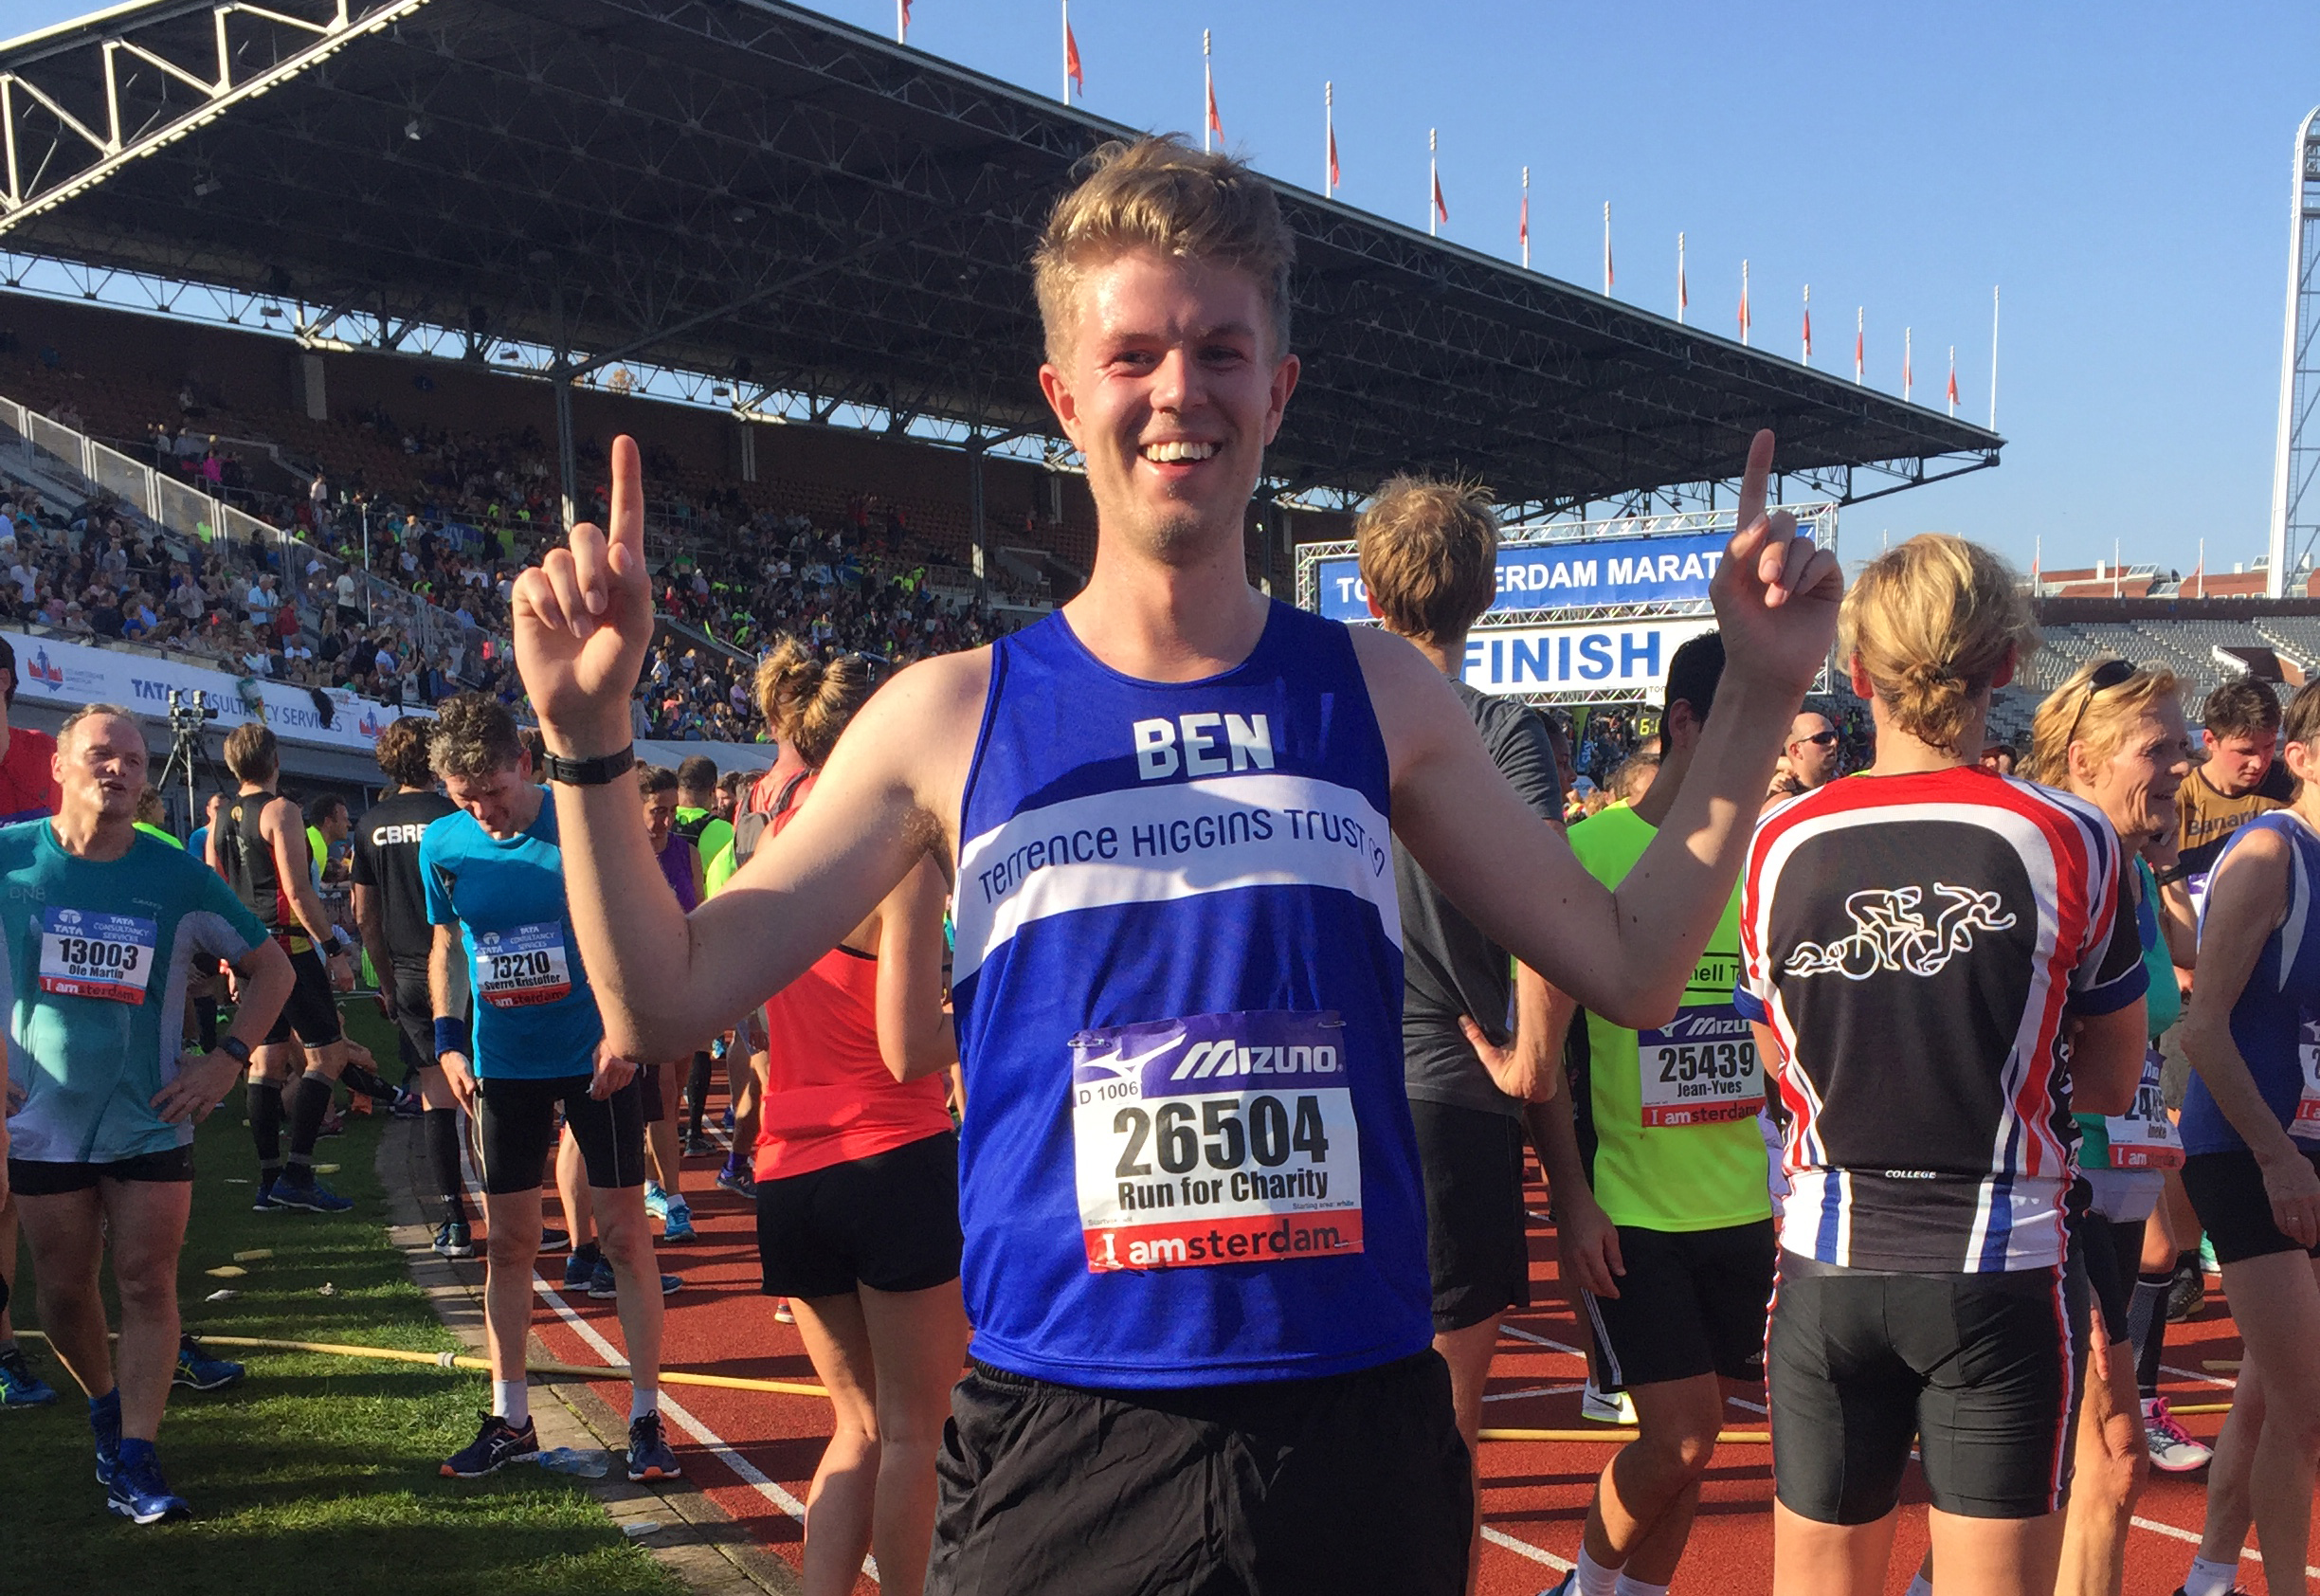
(2038, 554)
(1209, 86)
(1433, 183)
(1744, 304)
(2202, 568)
(2114, 568)
(1525, 219)
(1067, 52)
(901, 22)
(1909, 373)
(1861, 339)
(1993, 358)
(1607, 280)
(1680, 295)
(1808, 324)
(1954, 380)
(1328, 139)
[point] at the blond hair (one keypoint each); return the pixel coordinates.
(808, 701)
(1159, 193)
(2076, 712)
(1429, 556)
(1930, 623)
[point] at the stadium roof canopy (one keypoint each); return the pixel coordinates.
(746, 189)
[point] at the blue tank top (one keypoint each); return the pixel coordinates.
(1188, 1158)
(2268, 1022)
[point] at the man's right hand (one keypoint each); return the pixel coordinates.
(460, 1079)
(583, 618)
(1588, 1243)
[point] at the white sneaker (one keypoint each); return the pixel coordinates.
(2171, 1450)
(1601, 1409)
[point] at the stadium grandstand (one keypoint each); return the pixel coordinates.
(437, 254)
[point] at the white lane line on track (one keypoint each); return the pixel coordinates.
(1524, 1548)
(1537, 1340)
(1751, 1406)
(1532, 1391)
(749, 1472)
(2199, 1378)
(2190, 1537)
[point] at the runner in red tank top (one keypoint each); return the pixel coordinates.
(858, 1181)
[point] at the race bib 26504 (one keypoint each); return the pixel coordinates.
(1216, 1138)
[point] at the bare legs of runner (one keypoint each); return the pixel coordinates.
(145, 1223)
(625, 1236)
(2275, 1302)
(889, 1360)
(1468, 1352)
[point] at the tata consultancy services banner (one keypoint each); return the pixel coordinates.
(56, 671)
(1577, 574)
(1579, 658)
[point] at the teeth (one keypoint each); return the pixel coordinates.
(1173, 451)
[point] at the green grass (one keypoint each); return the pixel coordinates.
(317, 1473)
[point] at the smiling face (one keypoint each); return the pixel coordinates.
(100, 766)
(2135, 785)
(1170, 386)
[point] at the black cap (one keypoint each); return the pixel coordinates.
(7, 658)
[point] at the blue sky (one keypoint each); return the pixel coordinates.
(2121, 170)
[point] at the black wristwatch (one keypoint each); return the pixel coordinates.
(599, 771)
(234, 1048)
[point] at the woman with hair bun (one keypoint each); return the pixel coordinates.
(1916, 945)
(856, 1174)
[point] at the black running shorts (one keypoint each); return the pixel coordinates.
(2109, 1278)
(2227, 1193)
(312, 1011)
(1472, 1161)
(31, 1177)
(1356, 1482)
(414, 1014)
(1691, 1303)
(656, 1100)
(889, 1222)
(516, 1128)
(1981, 1370)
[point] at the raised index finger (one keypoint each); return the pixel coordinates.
(628, 520)
(1754, 481)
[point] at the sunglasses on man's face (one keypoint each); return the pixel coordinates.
(1824, 740)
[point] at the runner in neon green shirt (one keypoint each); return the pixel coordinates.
(1663, 1202)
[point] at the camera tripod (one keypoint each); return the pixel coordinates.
(186, 755)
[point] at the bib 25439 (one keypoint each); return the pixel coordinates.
(1216, 1138)
(1699, 1068)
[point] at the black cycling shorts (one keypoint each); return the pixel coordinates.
(1472, 1161)
(1691, 1304)
(1355, 1483)
(312, 1009)
(516, 1128)
(1981, 1370)
(2097, 1241)
(34, 1177)
(2227, 1193)
(889, 1222)
(414, 1014)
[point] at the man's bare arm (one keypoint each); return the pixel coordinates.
(286, 834)
(370, 925)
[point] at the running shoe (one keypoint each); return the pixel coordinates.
(263, 1203)
(649, 1456)
(454, 1239)
(729, 1120)
(782, 1313)
(19, 1385)
(308, 1195)
(656, 1200)
(695, 1144)
(603, 1284)
(678, 1224)
(1615, 1409)
(2187, 1298)
(333, 1124)
(2172, 1450)
(408, 1105)
(138, 1493)
(1567, 1585)
(552, 1239)
(197, 1370)
(737, 1179)
(496, 1444)
(580, 1269)
(105, 1421)
(2207, 1257)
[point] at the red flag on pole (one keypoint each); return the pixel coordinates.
(1808, 324)
(1216, 123)
(902, 22)
(1334, 178)
(1070, 59)
(1441, 212)
(1954, 380)
(1744, 304)
(1522, 228)
(1860, 321)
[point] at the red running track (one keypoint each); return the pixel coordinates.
(754, 1454)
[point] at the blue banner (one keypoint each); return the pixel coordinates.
(1573, 575)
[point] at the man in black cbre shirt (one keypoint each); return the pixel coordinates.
(390, 908)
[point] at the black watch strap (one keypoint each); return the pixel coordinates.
(599, 771)
(235, 1048)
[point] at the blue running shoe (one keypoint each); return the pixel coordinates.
(265, 1202)
(580, 1268)
(678, 1224)
(649, 1456)
(309, 1195)
(19, 1385)
(656, 1200)
(737, 1179)
(454, 1239)
(729, 1120)
(104, 1419)
(138, 1493)
(604, 1286)
(497, 1444)
(201, 1373)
